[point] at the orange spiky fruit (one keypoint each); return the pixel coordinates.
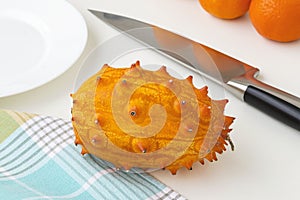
(134, 117)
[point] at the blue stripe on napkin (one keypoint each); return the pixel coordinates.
(39, 161)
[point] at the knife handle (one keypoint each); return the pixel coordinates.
(280, 105)
(273, 106)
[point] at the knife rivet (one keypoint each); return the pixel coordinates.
(96, 121)
(183, 102)
(170, 81)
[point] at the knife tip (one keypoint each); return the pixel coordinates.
(92, 11)
(102, 15)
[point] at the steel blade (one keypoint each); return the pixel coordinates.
(195, 56)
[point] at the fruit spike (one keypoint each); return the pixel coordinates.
(190, 79)
(136, 64)
(117, 119)
(98, 79)
(77, 138)
(141, 148)
(83, 150)
(201, 161)
(163, 70)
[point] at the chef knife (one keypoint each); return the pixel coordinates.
(237, 77)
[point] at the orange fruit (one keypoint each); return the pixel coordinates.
(111, 107)
(226, 9)
(276, 19)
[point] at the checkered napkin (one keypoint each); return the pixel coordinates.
(38, 160)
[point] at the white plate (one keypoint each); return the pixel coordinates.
(39, 40)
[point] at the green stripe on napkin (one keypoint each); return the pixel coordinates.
(10, 121)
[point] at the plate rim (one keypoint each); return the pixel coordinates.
(61, 69)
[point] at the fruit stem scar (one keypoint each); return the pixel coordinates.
(230, 142)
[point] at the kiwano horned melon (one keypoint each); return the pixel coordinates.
(134, 117)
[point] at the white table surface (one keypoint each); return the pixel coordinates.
(266, 162)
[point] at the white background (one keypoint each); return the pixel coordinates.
(266, 162)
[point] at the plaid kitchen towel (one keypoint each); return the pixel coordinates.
(38, 160)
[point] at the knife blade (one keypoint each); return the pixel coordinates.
(237, 77)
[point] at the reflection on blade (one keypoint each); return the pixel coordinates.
(195, 56)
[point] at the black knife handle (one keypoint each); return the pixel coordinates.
(273, 106)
